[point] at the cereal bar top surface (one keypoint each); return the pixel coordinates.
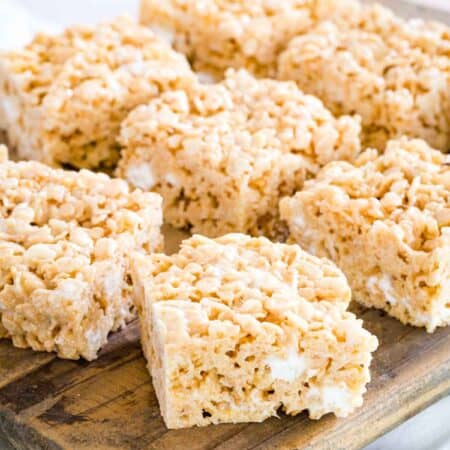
(392, 53)
(392, 60)
(248, 34)
(389, 34)
(249, 277)
(245, 119)
(408, 185)
(107, 47)
(41, 205)
(428, 37)
(245, 10)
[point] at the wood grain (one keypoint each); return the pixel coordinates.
(46, 403)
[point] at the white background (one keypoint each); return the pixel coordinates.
(20, 19)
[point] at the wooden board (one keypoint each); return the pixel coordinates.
(46, 403)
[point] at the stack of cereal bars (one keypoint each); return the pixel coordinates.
(306, 138)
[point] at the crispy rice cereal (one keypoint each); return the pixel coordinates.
(394, 73)
(222, 155)
(64, 241)
(237, 328)
(62, 98)
(386, 222)
(217, 34)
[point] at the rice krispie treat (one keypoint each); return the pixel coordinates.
(222, 155)
(238, 328)
(65, 238)
(394, 73)
(386, 222)
(62, 98)
(217, 34)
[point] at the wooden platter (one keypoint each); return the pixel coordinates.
(46, 403)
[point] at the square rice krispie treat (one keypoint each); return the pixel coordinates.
(62, 97)
(217, 34)
(386, 222)
(223, 155)
(238, 329)
(65, 238)
(394, 73)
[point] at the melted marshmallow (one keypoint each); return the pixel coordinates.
(141, 176)
(288, 369)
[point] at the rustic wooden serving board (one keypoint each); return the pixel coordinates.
(48, 403)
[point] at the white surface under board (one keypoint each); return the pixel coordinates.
(20, 19)
(443, 5)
